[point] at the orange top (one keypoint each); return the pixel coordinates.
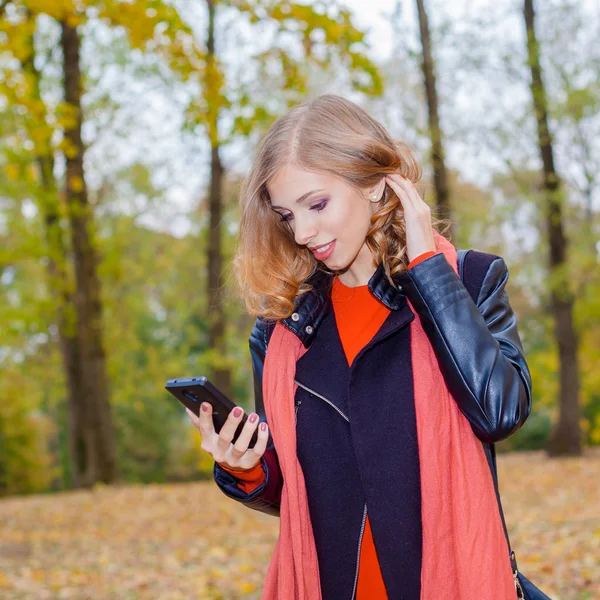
(358, 315)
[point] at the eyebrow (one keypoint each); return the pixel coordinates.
(300, 200)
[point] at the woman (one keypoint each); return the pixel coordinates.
(388, 376)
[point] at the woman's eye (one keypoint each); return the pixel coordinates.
(318, 207)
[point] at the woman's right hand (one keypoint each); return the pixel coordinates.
(238, 456)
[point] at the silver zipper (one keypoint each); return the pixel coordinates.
(322, 398)
(296, 407)
(362, 530)
(364, 518)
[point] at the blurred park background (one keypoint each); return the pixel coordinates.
(126, 127)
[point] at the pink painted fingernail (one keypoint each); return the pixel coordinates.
(263, 426)
(237, 412)
(204, 406)
(252, 418)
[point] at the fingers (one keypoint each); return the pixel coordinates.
(244, 457)
(219, 445)
(241, 444)
(261, 443)
(193, 418)
(204, 424)
(228, 430)
(406, 192)
(417, 216)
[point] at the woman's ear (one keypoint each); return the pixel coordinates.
(376, 193)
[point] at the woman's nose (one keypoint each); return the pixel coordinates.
(303, 233)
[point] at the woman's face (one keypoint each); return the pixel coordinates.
(320, 208)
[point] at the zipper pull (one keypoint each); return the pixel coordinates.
(297, 403)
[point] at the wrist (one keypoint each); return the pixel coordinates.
(254, 473)
(421, 257)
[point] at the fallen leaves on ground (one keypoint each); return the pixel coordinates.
(552, 510)
(189, 541)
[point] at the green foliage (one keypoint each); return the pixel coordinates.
(26, 433)
(154, 283)
(532, 435)
(306, 39)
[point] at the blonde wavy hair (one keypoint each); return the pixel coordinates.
(328, 134)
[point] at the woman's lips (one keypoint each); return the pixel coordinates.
(325, 252)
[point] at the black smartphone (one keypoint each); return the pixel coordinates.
(192, 391)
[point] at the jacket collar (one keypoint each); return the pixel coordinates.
(311, 308)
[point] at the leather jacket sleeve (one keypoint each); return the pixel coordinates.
(477, 344)
(266, 497)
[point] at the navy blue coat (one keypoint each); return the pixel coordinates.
(348, 418)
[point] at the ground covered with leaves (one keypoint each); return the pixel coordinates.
(184, 541)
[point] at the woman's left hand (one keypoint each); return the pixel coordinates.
(417, 216)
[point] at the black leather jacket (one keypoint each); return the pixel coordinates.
(472, 329)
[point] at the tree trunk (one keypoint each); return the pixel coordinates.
(97, 451)
(58, 276)
(440, 175)
(221, 375)
(565, 439)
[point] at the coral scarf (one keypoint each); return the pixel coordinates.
(465, 554)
